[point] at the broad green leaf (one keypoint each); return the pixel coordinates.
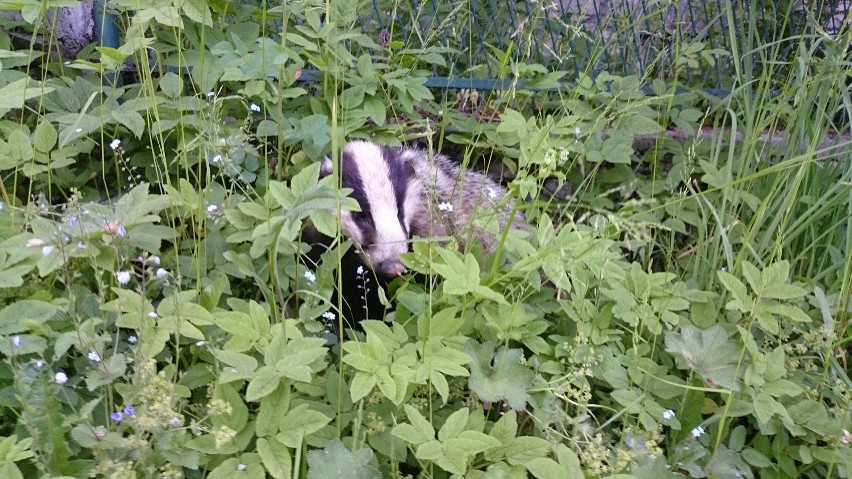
(336, 461)
(454, 425)
(362, 384)
(18, 316)
(276, 458)
(297, 357)
(44, 137)
(498, 376)
(298, 423)
(263, 383)
(709, 352)
(17, 92)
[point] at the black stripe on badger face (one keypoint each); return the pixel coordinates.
(381, 183)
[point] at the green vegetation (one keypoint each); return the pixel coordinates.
(683, 312)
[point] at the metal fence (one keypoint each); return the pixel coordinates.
(644, 37)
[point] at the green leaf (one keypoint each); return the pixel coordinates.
(362, 384)
(454, 425)
(419, 430)
(44, 137)
(298, 423)
(14, 94)
(298, 355)
(264, 382)
(19, 316)
(336, 461)
(709, 352)
(500, 376)
(171, 84)
(735, 287)
(276, 458)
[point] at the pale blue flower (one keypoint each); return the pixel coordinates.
(123, 277)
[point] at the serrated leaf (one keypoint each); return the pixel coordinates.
(735, 287)
(336, 461)
(498, 376)
(298, 423)
(454, 425)
(263, 383)
(14, 317)
(276, 458)
(44, 137)
(709, 352)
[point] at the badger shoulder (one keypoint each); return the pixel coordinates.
(463, 201)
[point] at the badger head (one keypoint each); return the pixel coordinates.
(384, 185)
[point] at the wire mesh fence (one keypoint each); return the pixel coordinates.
(652, 38)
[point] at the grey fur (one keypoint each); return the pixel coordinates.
(417, 208)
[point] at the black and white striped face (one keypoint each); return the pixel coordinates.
(385, 186)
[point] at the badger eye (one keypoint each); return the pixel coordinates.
(361, 215)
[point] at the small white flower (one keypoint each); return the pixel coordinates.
(254, 107)
(846, 438)
(328, 315)
(310, 277)
(60, 378)
(123, 277)
(81, 245)
(35, 242)
(360, 271)
(40, 363)
(200, 343)
(161, 273)
(16, 340)
(132, 339)
(697, 432)
(46, 250)
(211, 208)
(153, 314)
(492, 193)
(210, 94)
(723, 269)
(155, 260)
(241, 467)
(78, 130)
(115, 143)
(668, 414)
(216, 159)
(175, 421)
(94, 356)
(578, 131)
(121, 230)
(445, 206)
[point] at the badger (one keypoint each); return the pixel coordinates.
(405, 193)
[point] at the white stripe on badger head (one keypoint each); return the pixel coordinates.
(390, 237)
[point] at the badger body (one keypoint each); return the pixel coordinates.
(406, 193)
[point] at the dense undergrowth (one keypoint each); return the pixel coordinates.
(676, 310)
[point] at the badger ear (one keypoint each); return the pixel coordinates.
(326, 167)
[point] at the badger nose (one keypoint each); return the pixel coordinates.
(391, 267)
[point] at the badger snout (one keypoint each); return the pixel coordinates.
(390, 268)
